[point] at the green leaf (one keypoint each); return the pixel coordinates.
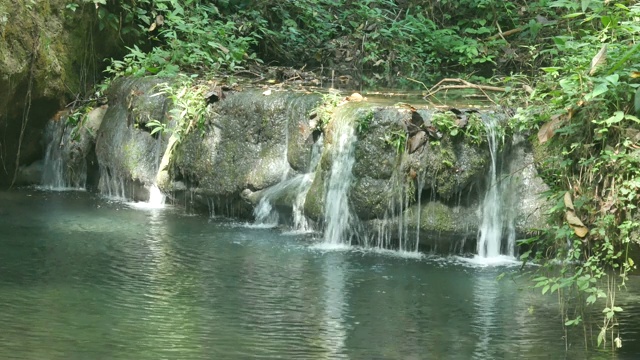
(545, 289)
(613, 79)
(574, 15)
(601, 335)
(591, 299)
(551, 69)
(598, 90)
(616, 118)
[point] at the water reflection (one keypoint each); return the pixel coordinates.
(485, 290)
(81, 278)
(335, 294)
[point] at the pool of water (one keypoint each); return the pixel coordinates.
(82, 277)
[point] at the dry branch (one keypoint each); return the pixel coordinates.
(506, 33)
(462, 84)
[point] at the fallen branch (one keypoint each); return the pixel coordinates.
(506, 33)
(462, 84)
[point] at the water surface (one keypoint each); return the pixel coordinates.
(82, 277)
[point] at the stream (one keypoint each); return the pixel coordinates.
(84, 277)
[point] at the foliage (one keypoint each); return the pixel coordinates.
(446, 123)
(77, 118)
(189, 108)
(474, 130)
(363, 121)
(380, 40)
(324, 111)
(588, 151)
(397, 139)
(174, 35)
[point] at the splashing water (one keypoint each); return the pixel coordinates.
(495, 223)
(156, 197)
(57, 174)
(337, 214)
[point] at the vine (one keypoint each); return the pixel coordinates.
(587, 151)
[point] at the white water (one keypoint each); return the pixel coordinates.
(110, 185)
(156, 197)
(264, 212)
(296, 187)
(496, 224)
(336, 205)
(56, 174)
(397, 216)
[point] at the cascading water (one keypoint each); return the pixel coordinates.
(496, 224)
(337, 214)
(264, 212)
(57, 174)
(111, 185)
(397, 216)
(298, 186)
(156, 197)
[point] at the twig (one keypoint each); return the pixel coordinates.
(463, 85)
(506, 33)
(417, 81)
(27, 107)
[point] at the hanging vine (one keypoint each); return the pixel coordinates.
(27, 102)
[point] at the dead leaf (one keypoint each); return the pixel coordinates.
(344, 79)
(267, 93)
(547, 130)
(567, 201)
(407, 106)
(576, 224)
(160, 20)
(599, 60)
(635, 74)
(152, 27)
(355, 97)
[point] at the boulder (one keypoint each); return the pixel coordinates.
(246, 144)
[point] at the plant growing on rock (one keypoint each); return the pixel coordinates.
(322, 113)
(189, 107)
(585, 106)
(364, 121)
(397, 139)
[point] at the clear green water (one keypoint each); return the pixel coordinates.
(85, 278)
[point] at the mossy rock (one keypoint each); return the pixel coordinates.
(247, 143)
(46, 49)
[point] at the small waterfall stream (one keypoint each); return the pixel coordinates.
(293, 191)
(495, 223)
(57, 173)
(337, 214)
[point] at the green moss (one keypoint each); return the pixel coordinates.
(437, 217)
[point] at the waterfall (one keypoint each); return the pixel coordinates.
(291, 191)
(156, 197)
(496, 223)
(287, 191)
(397, 215)
(111, 185)
(337, 214)
(57, 173)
